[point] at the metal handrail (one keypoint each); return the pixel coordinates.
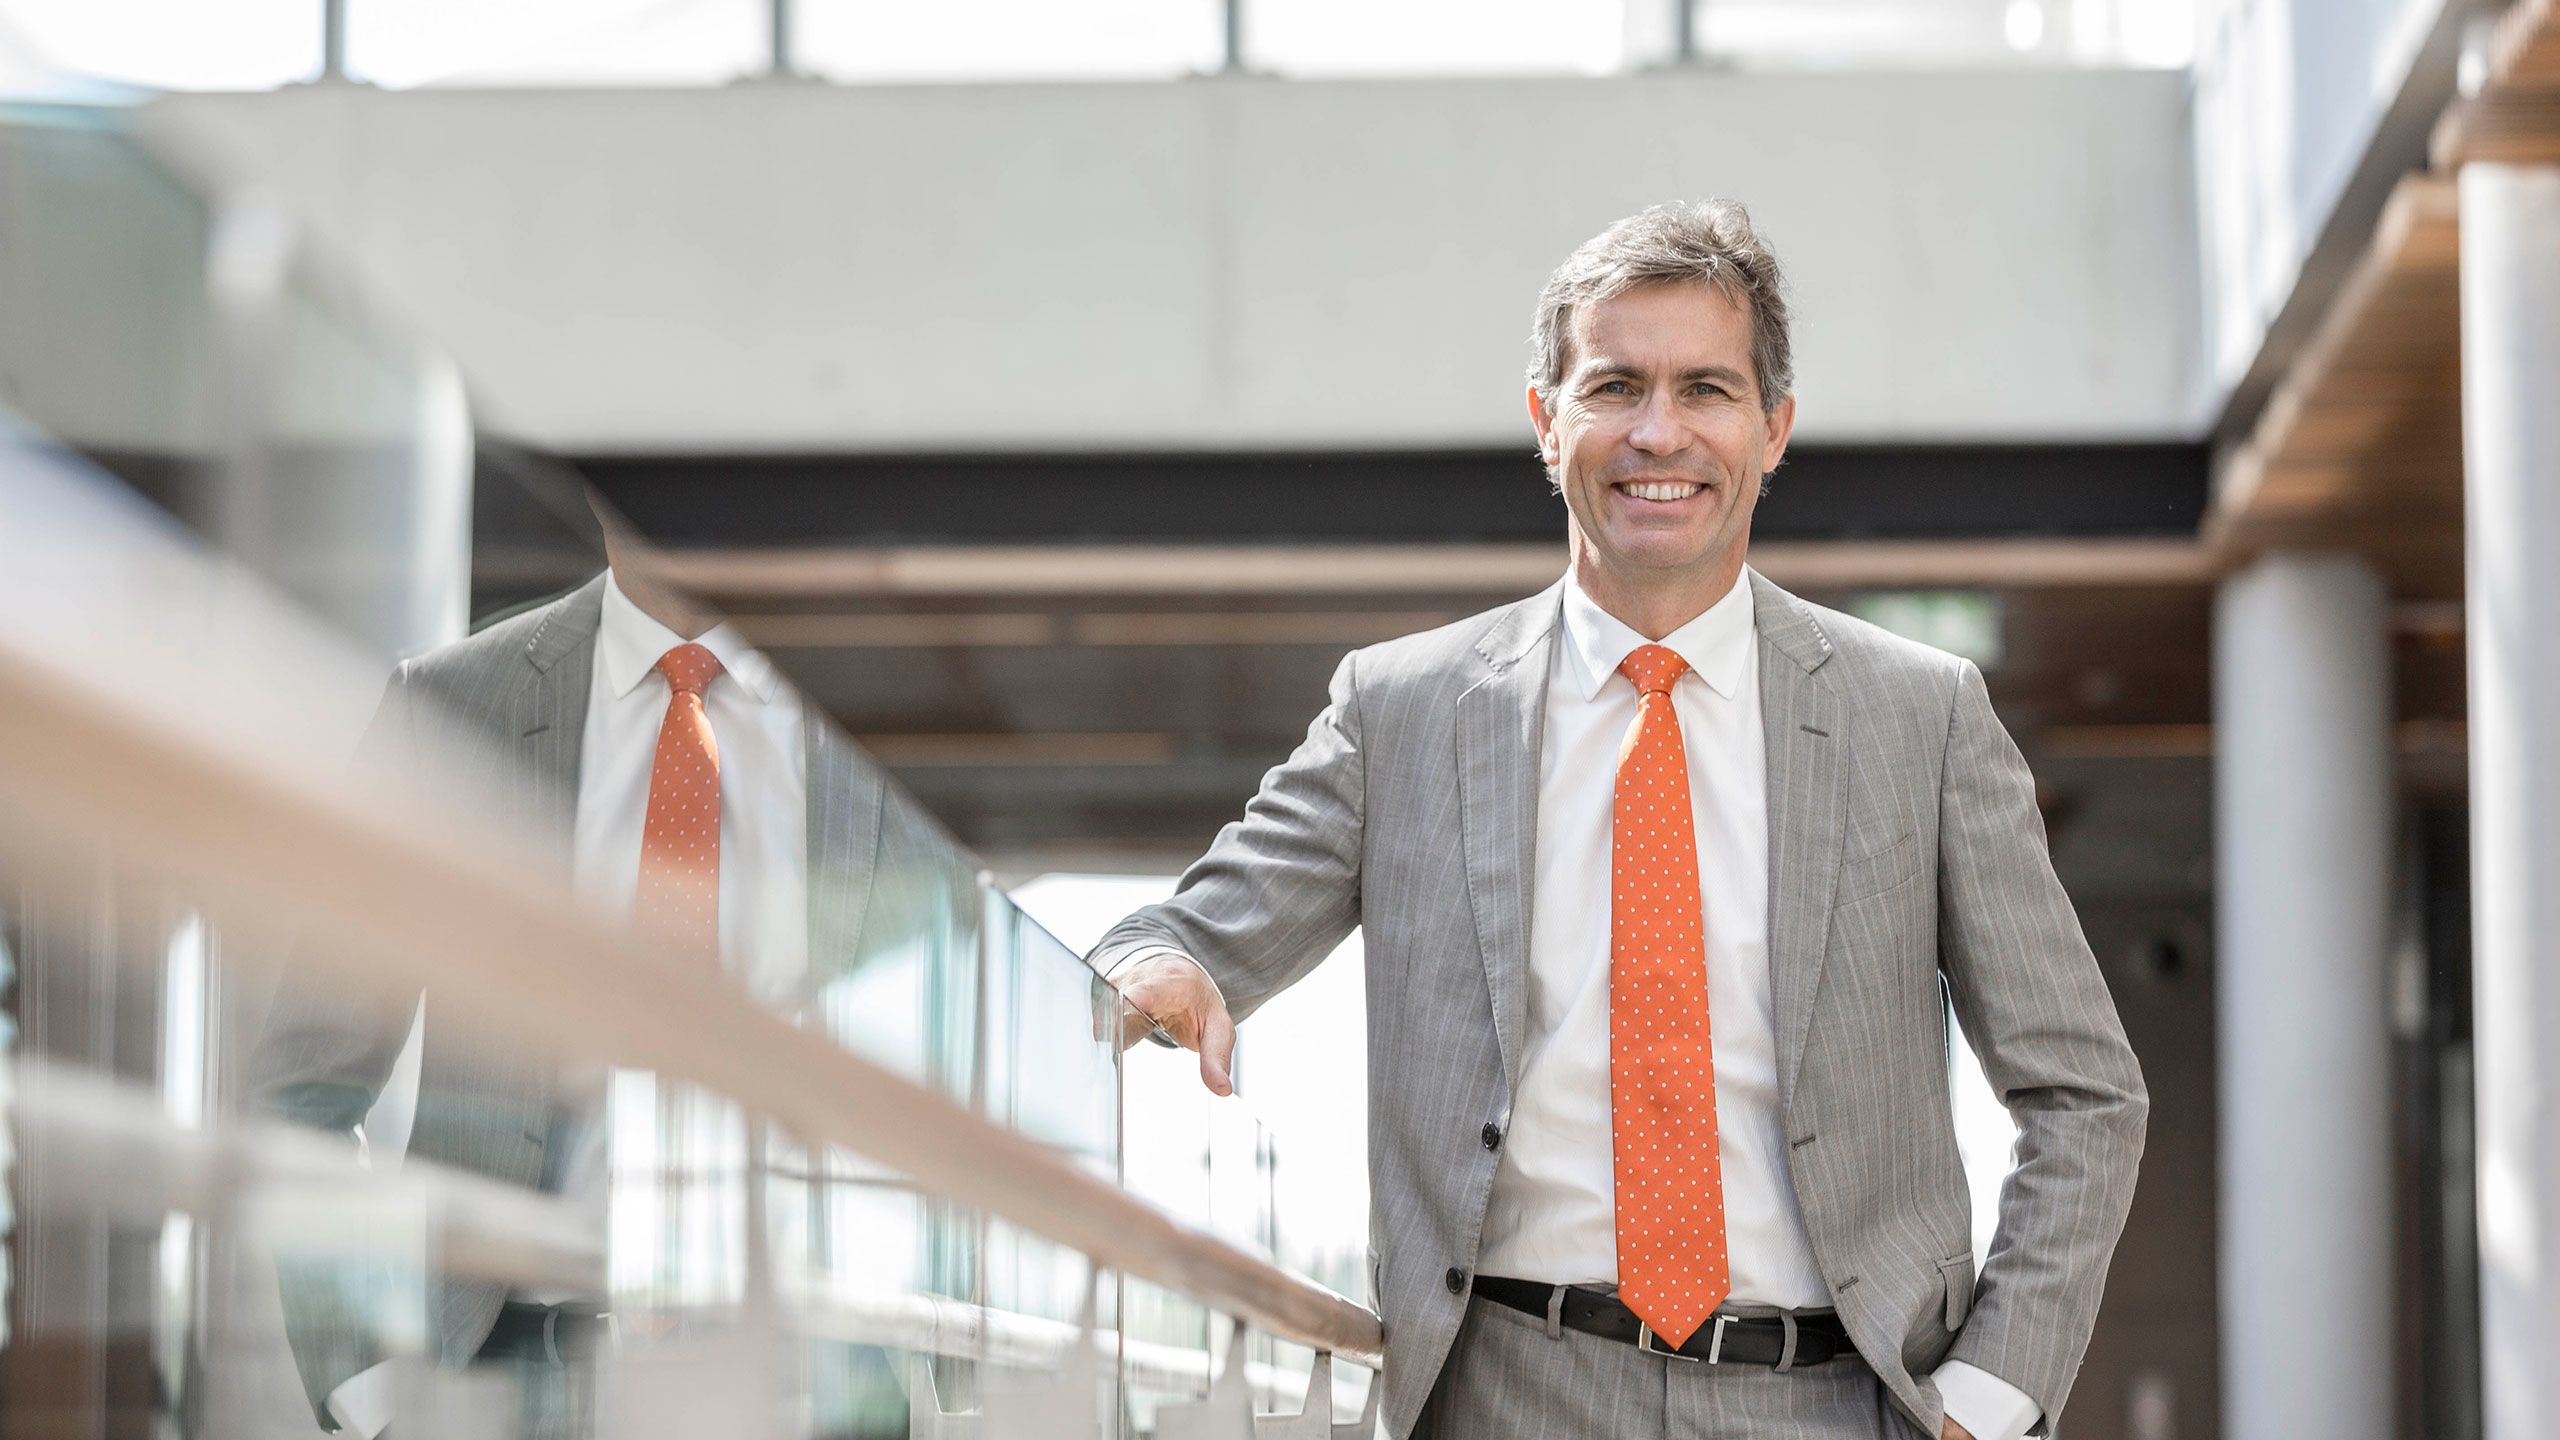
(432, 900)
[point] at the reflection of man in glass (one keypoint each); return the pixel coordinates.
(1577, 827)
(675, 775)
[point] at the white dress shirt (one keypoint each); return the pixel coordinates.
(764, 865)
(1551, 1216)
(764, 805)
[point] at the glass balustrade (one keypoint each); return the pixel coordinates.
(338, 1085)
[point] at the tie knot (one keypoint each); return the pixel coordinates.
(1653, 668)
(688, 668)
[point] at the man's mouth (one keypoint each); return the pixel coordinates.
(1658, 490)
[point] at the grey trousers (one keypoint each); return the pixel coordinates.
(1506, 1377)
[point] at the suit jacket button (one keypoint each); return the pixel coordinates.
(1492, 1136)
(1457, 1279)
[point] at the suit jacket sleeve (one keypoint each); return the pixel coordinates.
(2035, 1007)
(322, 1060)
(322, 1057)
(1281, 887)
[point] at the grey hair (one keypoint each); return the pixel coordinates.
(1710, 242)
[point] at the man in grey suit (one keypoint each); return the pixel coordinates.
(559, 710)
(1574, 977)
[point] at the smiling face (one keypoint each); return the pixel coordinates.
(1658, 438)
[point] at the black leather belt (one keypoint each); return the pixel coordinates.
(1723, 1340)
(546, 1334)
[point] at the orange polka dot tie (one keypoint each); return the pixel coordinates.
(679, 897)
(1662, 1079)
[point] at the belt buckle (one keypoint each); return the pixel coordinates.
(1715, 1344)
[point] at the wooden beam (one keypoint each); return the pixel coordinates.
(2170, 742)
(2515, 116)
(1016, 750)
(739, 578)
(2361, 444)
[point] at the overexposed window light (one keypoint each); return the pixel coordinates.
(2156, 34)
(1969, 623)
(2023, 25)
(1387, 37)
(1986, 1137)
(402, 43)
(857, 40)
(260, 44)
(171, 44)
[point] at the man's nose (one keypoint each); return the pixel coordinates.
(1657, 429)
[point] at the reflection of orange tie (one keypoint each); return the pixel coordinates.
(1662, 1076)
(679, 898)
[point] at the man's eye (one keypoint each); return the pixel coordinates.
(1708, 387)
(1612, 387)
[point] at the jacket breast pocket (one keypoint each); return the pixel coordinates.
(1958, 1273)
(1881, 870)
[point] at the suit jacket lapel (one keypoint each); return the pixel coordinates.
(540, 710)
(551, 708)
(1808, 793)
(1501, 721)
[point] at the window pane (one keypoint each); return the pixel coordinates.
(555, 42)
(1426, 37)
(170, 44)
(989, 39)
(1920, 33)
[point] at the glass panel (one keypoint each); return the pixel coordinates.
(1052, 1049)
(109, 325)
(894, 916)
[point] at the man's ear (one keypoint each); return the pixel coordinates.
(1782, 426)
(1545, 425)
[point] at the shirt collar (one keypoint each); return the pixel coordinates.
(1717, 643)
(629, 644)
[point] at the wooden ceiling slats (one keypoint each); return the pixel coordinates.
(2361, 445)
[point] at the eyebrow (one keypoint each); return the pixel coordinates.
(1724, 374)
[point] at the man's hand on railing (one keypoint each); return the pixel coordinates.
(1170, 992)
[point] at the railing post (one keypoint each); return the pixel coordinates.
(333, 40)
(1227, 1413)
(780, 64)
(1232, 37)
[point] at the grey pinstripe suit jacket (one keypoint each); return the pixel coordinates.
(1905, 850)
(510, 704)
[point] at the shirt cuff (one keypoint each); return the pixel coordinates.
(1984, 1404)
(361, 1405)
(1143, 952)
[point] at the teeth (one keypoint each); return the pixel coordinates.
(1663, 490)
